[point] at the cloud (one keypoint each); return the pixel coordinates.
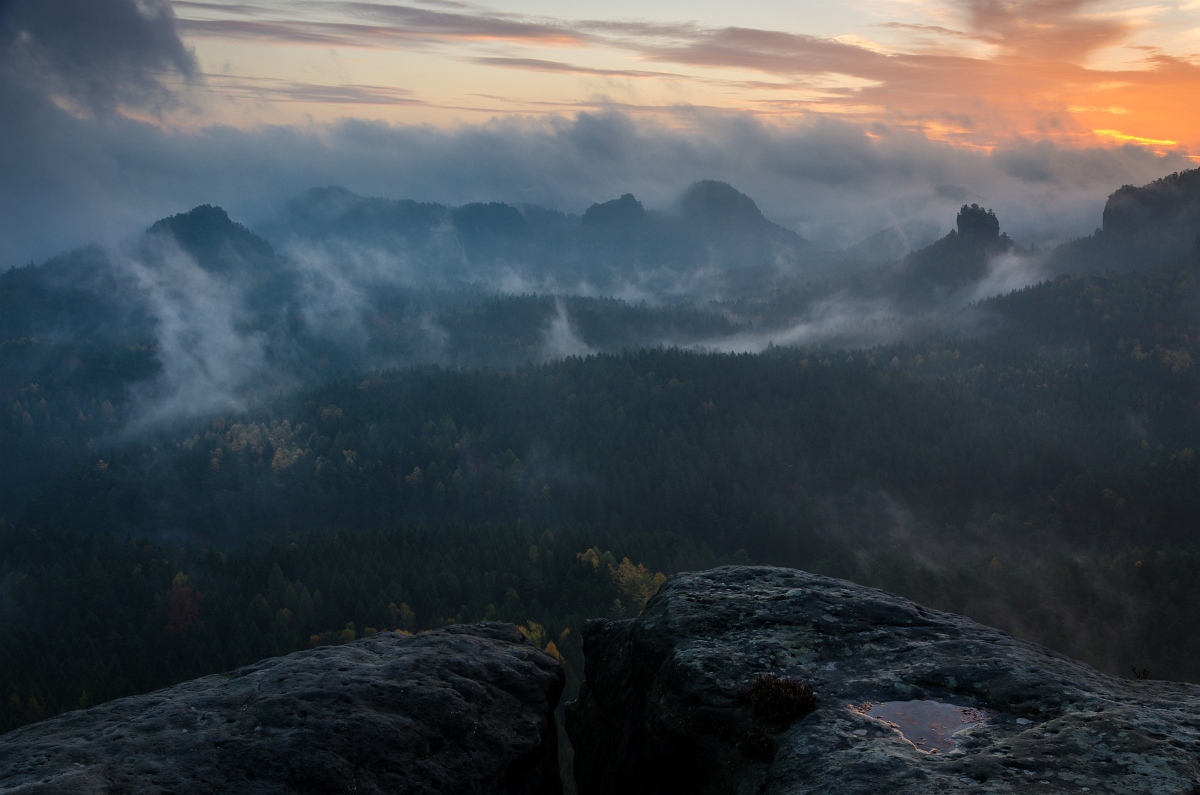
(382, 25)
(1058, 30)
(71, 180)
(288, 32)
(560, 338)
(839, 321)
(207, 359)
(477, 25)
(67, 70)
(774, 52)
(77, 169)
(541, 65)
(1007, 272)
(250, 89)
(96, 55)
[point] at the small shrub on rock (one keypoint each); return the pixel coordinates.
(780, 699)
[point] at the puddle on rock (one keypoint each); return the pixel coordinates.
(929, 725)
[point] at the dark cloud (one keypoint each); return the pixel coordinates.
(93, 54)
(67, 67)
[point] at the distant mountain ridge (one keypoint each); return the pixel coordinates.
(712, 228)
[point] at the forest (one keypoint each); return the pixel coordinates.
(1027, 459)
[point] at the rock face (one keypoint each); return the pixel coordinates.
(464, 709)
(1164, 215)
(1143, 227)
(667, 703)
(976, 222)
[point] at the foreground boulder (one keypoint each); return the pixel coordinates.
(707, 691)
(465, 709)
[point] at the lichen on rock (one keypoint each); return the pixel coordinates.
(663, 707)
(462, 709)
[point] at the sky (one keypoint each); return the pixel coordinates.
(975, 73)
(839, 118)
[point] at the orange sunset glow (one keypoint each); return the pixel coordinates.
(976, 73)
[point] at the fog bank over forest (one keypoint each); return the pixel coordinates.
(209, 316)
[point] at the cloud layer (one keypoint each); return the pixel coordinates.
(77, 180)
(91, 55)
(87, 153)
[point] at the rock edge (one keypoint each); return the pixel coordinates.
(465, 709)
(663, 707)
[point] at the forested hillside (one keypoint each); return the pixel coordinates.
(1039, 475)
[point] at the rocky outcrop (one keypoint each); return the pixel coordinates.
(706, 692)
(464, 709)
(1164, 215)
(1143, 227)
(978, 223)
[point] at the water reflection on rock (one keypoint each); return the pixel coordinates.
(929, 725)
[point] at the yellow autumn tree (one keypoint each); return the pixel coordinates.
(402, 618)
(636, 584)
(535, 632)
(594, 557)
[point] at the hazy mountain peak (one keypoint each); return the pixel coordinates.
(328, 202)
(482, 223)
(202, 217)
(620, 213)
(209, 235)
(710, 201)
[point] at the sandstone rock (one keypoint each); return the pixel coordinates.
(664, 706)
(1162, 216)
(978, 223)
(460, 710)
